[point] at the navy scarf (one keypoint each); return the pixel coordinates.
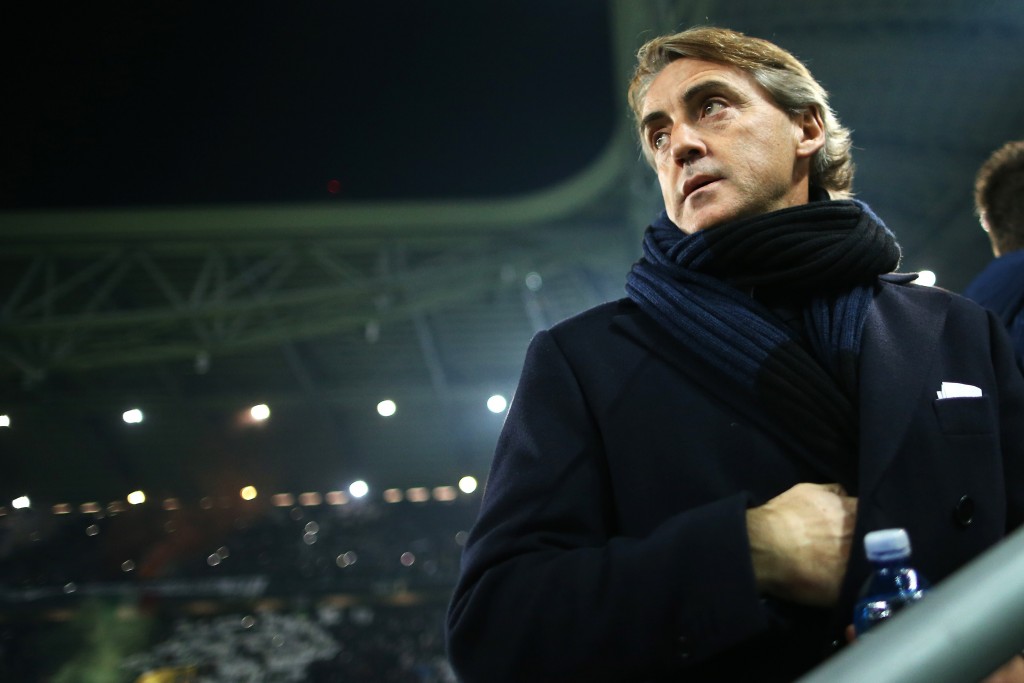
(820, 260)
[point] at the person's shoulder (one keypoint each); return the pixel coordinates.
(591, 331)
(1001, 276)
(904, 287)
(592, 319)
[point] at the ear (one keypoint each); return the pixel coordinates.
(810, 132)
(996, 251)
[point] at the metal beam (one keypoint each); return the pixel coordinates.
(379, 219)
(965, 628)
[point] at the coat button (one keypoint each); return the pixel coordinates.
(963, 513)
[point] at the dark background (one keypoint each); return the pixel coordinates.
(193, 102)
(318, 205)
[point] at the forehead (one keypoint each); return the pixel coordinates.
(682, 74)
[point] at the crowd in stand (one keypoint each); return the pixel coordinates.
(299, 593)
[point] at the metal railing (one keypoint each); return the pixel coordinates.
(968, 626)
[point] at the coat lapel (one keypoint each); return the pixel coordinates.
(899, 346)
(648, 333)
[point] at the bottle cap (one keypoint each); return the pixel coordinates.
(887, 544)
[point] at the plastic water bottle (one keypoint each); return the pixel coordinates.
(892, 585)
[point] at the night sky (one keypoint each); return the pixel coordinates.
(184, 103)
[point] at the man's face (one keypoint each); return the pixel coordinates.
(722, 149)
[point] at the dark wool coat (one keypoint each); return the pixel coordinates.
(1000, 288)
(612, 543)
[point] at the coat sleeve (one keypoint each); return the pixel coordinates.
(550, 591)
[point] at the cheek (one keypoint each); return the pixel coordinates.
(666, 180)
(767, 159)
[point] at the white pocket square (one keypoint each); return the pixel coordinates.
(957, 390)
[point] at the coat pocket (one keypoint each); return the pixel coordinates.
(965, 416)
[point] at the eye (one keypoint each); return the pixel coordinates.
(659, 140)
(712, 107)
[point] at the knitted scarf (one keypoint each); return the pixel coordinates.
(822, 257)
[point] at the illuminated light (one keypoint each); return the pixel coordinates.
(358, 488)
(116, 507)
(926, 278)
(311, 527)
(418, 494)
(127, 566)
(260, 412)
(89, 508)
(213, 559)
(70, 587)
(386, 408)
(444, 493)
(461, 537)
(296, 514)
(393, 496)
(133, 416)
(310, 499)
(92, 530)
(171, 504)
(248, 622)
(206, 503)
(223, 552)
(21, 502)
(467, 484)
(62, 509)
(136, 497)
(534, 281)
(5, 420)
(248, 492)
(309, 538)
(334, 186)
(282, 500)
(407, 559)
(496, 403)
(336, 497)
(346, 559)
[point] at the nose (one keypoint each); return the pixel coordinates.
(687, 143)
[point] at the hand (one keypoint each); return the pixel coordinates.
(800, 542)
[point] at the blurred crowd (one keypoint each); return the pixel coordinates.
(224, 593)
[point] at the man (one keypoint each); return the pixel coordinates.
(999, 199)
(685, 476)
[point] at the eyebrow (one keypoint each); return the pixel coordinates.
(692, 93)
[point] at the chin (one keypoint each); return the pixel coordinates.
(702, 223)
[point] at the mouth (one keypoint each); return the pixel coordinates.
(697, 182)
